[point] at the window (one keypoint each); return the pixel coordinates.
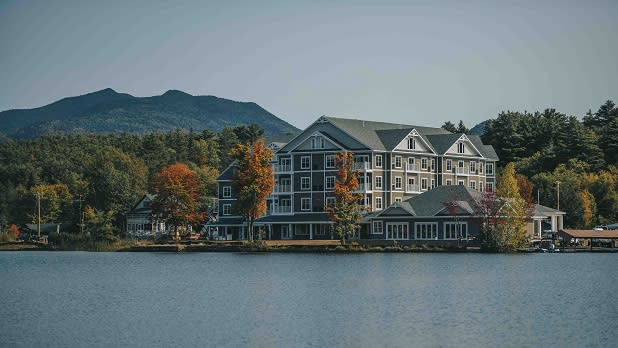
(330, 161)
(378, 203)
(305, 162)
(424, 184)
(305, 204)
(455, 230)
(330, 202)
(378, 182)
(227, 191)
(227, 209)
(489, 169)
(411, 143)
(424, 163)
(398, 199)
(449, 182)
(449, 165)
(472, 167)
(379, 161)
(377, 227)
(460, 164)
(330, 182)
(398, 182)
(426, 230)
(481, 188)
(433, 183)
(473, 184)
(397, 230)
(489, 187)
(461, 182)
(397, 161)
(411, 160)
(481, 165)
(433, 165)
(305, 183)
(461, 148)
(317, 142)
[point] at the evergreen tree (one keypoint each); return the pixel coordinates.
(461, 128)
(449, 126)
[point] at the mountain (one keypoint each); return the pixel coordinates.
(479, 129)
(107, 111)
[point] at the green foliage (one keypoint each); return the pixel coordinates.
(109, 172)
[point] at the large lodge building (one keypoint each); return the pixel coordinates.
(396, 162)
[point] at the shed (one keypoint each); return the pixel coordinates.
(590, 235)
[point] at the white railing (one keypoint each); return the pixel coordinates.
(361, 166)
(364, 187)
(412, 188)
(281, 209)
(282, 168)
(282, 189)
(416, 168)
(462, 170)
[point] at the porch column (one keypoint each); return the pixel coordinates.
(290, 232)
(553, 223)
(560, 221)
(310, 231)
(539, 227)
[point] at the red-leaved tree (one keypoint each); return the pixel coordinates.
(177, 200)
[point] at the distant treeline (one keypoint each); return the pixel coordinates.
(106, 173)
(550, 147)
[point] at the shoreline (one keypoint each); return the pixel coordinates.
(292, 246)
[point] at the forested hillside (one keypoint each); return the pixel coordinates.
(105, 173)
(107, 111)
(550, 147)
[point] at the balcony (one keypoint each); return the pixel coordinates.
(280, 209)
(413, 168)
(364, 188)
(462, 170)
(282, 189)
(362, 166)
(413, 188)
(282, 168)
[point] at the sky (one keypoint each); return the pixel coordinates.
(413, 62)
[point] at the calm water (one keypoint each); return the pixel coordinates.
(79, 299)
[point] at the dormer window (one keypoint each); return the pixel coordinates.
(317, 142)
(411, 143)
(461, 148)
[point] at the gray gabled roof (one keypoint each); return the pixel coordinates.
(381, 135)
(227, 173)
(541, 210)
(433, 202)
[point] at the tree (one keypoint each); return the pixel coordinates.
(177, 199)
(510, 234)
(345, 213)
(100, 225)
(449, 126)
(253, 180)
(461, 128)
(55, 201)
(14, 231)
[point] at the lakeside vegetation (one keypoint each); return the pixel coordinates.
(88, 182)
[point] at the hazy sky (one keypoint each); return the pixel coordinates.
(418, 62)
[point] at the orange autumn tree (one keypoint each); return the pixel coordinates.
(345, 213)
(177, 199)
(253, 180)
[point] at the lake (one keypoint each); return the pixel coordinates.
(81, 299)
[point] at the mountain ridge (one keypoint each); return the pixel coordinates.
(107, 111)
